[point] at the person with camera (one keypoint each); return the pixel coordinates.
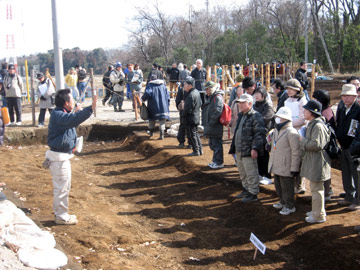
(13, 88)
(45, 94)
(117, 77)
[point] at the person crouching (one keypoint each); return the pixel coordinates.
(285, 159)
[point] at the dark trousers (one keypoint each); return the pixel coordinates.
(216, 145)
(42, 115)
(117, 100)
(285, 189)
(349, 176)
(108, 93)
(263, 162)
(182, 132)
(14, 103)
(194, 137)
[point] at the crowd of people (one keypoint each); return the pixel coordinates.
(287, 142)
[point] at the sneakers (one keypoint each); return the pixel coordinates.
(72, 221)
(308, 214)
(216, 166)
(250, 198)
(328, 198)
(193, 154)
(265, 181)
(344, 203)
(18, 123)
(311, 219)
(103, 102)
(243, 194)
(181, 145)
(211, 164)
(354, 207)
(300, 191)
(40, 125)
(287, 211)
(278, 205)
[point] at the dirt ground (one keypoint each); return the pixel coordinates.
(142, 205)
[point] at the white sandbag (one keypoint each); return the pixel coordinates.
(173, 130)
(42, 259)
(36, 247)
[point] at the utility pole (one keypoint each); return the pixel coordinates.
(59, 68)
(306, 30)
(246, 52)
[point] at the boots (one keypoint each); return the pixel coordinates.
(150, 132)
(161, 135)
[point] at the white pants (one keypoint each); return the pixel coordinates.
(61, 178)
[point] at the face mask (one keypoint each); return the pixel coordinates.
(277, 120)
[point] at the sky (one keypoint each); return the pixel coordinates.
(87, 24)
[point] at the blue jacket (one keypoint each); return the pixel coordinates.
(62, 128)
(158, 99)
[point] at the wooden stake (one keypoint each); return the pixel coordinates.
(242, 69)
(215, 76)
(262, 74)
(92, 86)
(253, 71)
(268, 77)
(312, 81)
(255, 253)
(33, 96)
(275, 70)
(233, 72)
(47, 74)
(208, 73)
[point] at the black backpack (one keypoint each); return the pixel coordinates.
(106, 79)
(81, 74)
(332, 148)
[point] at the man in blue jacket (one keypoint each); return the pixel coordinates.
(62, 143)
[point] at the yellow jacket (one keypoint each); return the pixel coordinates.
(71, 79)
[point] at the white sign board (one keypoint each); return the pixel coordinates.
(257, 243)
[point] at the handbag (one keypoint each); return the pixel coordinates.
(144, 113)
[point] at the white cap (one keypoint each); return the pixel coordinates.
(285, 113)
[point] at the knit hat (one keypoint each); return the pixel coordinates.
(11, 66)
(293, 84)
(118, 64)
(190, 80)
(40, 75)
(348, 90)
(313, 106)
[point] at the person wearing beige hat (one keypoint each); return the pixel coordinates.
(285, 159)
(347, 118)
(247, 144)
(295, 103)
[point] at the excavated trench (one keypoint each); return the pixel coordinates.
(143, 205)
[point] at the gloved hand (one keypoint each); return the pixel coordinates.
(42, 98)
(294, 174)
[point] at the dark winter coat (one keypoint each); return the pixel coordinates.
(174, 74)
(212, 110)
(343, 123)
(282, 96)
(62, 128)
(252, 134)
(301, 76)
(200, 78)
(191, 112)
(2, 130)
(267, 112)
(158, 99)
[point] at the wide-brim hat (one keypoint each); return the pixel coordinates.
(293, 84)
(348, 90)
(285, 113)
(313, 106)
